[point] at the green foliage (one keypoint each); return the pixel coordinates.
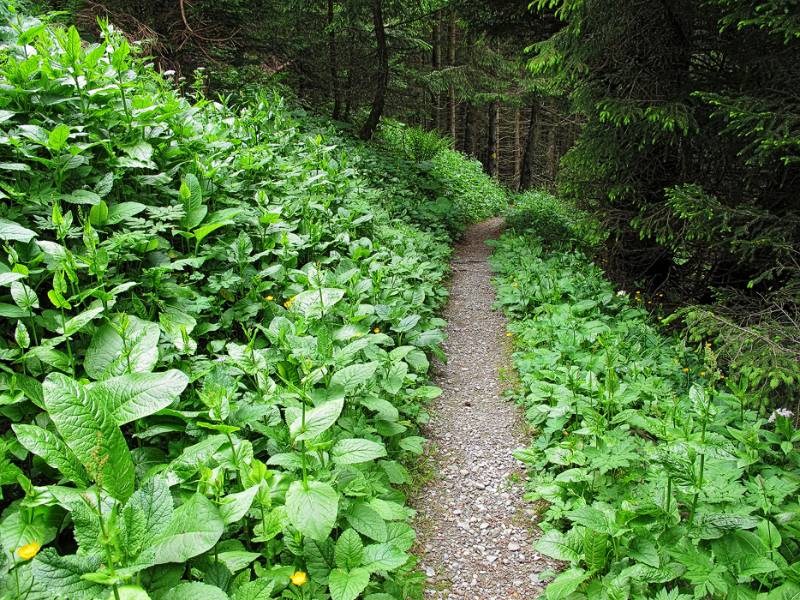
(555, 221)
(689, 154)
(659, 477)
(217, 325)
(419, 145)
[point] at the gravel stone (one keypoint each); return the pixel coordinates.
(471, 509)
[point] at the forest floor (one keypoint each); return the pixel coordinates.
(474, 527)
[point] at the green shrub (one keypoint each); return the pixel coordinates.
(658, 473)
(555, 221)
(216, 329)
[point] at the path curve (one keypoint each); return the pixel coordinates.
(472, 522)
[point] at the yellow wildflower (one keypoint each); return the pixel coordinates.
(299, 578)
(685, 369)
(269, 298)
(509, 334)
(289, 302)
(702, 373)
(376, 330)
(28, 551)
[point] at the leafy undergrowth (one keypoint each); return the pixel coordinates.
(660, 478)
(216, 326)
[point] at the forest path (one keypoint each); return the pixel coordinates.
(472, 522)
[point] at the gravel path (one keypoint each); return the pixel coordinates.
(473, 525)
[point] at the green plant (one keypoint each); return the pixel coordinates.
(662, 477)
(217, 324)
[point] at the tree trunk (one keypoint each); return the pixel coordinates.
(348, 102)
(491, 150)
(436, 63)
(334, 60)
(552, 153)
(383, 74)
(530, 149)
(469, 125)
(451, 92)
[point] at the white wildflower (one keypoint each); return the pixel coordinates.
(780, 412)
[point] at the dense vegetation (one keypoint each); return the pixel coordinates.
(689, 154)
(225, 229)
(216, 328)
(661, 478)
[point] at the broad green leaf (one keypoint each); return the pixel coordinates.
(21, 335)
(194, 211)
(347, 585)
(384, 557)
(219, 219)
(566, 583)
(24, 296)
(234, 507)
(196, 591)
(194, 528)
(137, 395)
(129, 592)
(146, 515)
(91, 433)
(18, 528)
(385, 410)
(594, 519)
(366, 521)
(62, 576)
(79, 321)
(769, 534)
(350, 377)
(272, 525)
(52, 450)
(355, 450)
(555, 545)
(400, 535)
(406, 323)
(260, 589)
(109, 354)
(349, 550)
(140, 151)
(390, 511)
(57, 139)
(236, 560)
(14, 232)
(9, 277)
(197, 455)
(317, 420)
(413, 443)
(82, 197)
(312, 304)
(312, 510)
(123, 210)
(98, 215)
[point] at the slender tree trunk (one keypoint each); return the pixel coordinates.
(333, 57)
(530, 149)
(492, 149)
(552, 154)
(451, 92)
(383, 74)
(436, 63)
(348, 102)
(469, 125)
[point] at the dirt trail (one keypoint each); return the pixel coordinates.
(473, 525)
